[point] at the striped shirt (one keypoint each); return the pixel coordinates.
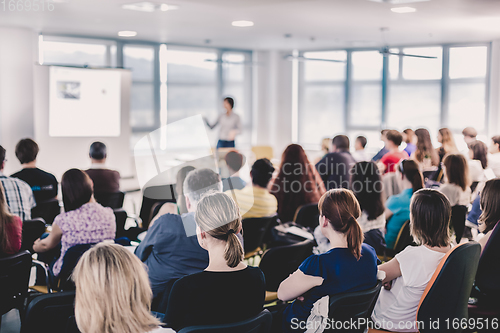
(19, 196)
(254, 201)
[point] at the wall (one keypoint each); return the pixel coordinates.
(494, 100)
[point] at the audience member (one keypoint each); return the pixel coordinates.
(457, 183)
(255, 200)
(179, 189)
(494, 155)
(83, 222)
(297, 183)
(448, 146)
(113, 293)
(105, 180)
(43, 184)
(11, 228)
(227, 290)
(18, 194)
(389, 161)
(408, 274)
(234, 162)
(425, 154)
(478, 160)
(398, 206)
(384, 150)
(334, 167)
(410, 139)
(325, 149)
(348, 266)
(470, 135)
(360, 154)
(490, 197)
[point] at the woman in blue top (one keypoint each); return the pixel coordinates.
(349, 266)
(397, 210)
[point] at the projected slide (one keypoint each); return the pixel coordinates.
(84, 102)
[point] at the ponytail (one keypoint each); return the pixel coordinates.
(355, 237)
(234, 250)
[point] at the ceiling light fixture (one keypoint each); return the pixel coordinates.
(403, 10)
(242, 24)
(127, 33)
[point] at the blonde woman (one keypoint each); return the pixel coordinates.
(113, 293)
(227, 290)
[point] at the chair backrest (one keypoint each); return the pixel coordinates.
(354, 306)
(49, 313)
(263, 152)
(447, 293)
(258, 324)
(254, 230)
(279, 262)
(110, 199)
(152, 195)
(307, 215)
(47, 210)
(458, 215)
(32, 230)
(121, 219)
(488, 270)
(404, 238)
(70, 259)
(14, 277)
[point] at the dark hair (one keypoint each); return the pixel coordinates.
(430, 214)
(489, 199)
(470, 132)
(230, 101)
(362, 140)
(480, 152)
(425, 148)
(2, 154)
(367, 186)
(395, 137)
(262, 172)
(77, 189)
(409, 134)
(200, 181)
(410, 170)
(496, 139)
(98, 150)
(26, 151)
(234, 160)
(384, 131)
(341, 142)
(342, 210)
(457, 170)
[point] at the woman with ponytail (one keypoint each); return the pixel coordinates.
(397, 210)
(348, 266)
(227, 290)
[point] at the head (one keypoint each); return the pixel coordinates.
(5, 218)
(469, 134)
(360, 143)
(339, 210)
(445, 137)
(383, 134)
(367, 186)
(457, 170)
(408, 135)
(112, 292)
(394, 139)
(425, 149)
(340, 143)
(228, 103)
(408, 169)
(495, 145)
(181, 176)
(262, 172)
(479, 151)
(98, 152)
(218, 221)
(2, 158)
(26, 151)
(490, 197)
(234, 161)
(197, 183)
(325, 145)
(77, 189)
(430, 213)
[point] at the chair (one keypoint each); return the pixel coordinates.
(70, 259)
(47, 210)
(113, 200)
(307, 216)
(259, 324)
(458, 216)
(254, 230)
(121, 219)
(14, 278)
(32, 230)
(263, 152)
(50, 313)
(403, 240)
(152, 195)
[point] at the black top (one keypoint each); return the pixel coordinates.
(334, 169)
(43, 184)
(211, 298)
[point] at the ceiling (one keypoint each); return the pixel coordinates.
(312, 24)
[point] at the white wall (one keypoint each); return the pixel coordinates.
(494, 102)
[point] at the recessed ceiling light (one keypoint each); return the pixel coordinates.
(127, 33)
(242, 24)
(149, 7)
(403, 10)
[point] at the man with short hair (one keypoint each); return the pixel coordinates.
(105, 180)
(494, 155)
(255, 200)
(392, 158)
(384, 149)
(18, 194)
(470, 135)
(360, 154)
(234, 162)
(43, 184)
(334, 167)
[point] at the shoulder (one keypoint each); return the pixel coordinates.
(368, 252)
(18, 174)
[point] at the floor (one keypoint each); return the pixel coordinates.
(11, 322)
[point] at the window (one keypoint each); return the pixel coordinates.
(77, 52)
(415, 68)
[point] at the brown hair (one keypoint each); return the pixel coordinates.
(470, 132)
(410, 170)
(6, 218)
(480, 151)
(342, 210)
(490, 199)
(425, 148)
(26, 151)
(219, 216)
(430, 214)
(496, 139)
(409, 134)
(341, 142)
(234, 160)
(457, 170)
(77, 189)
(395, 137)
(448, 142)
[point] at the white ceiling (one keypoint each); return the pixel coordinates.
(331, 23)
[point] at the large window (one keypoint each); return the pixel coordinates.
(77, 52)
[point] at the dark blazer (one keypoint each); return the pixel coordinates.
(334, 169)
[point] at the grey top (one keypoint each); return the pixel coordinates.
(226, 125)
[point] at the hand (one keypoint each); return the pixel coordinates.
(300, 298)
(387, 285)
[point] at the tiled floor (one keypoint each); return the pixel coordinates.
(11, 322)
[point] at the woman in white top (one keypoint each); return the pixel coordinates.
(490, 198)
(457, 185)
(478, 154)
(408, 274)
(113, 293)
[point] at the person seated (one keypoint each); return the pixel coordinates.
(180, 198)
(478, 161)
(425, 154)
(255, 200)
(360, 154)
(494, 155)
(411, 141)
(408, 274)
(11, 229)
(348, 266)
(234, 162)
(84, 221)
(18, 194)
(389, 161)
(43, 184)
(227, 290)
(490, 197)
(397, 210)
(457, 183)
(334, 167)
(105, 180)
(384, 150)
(470, 136)
(112, 292)
(325, 149)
